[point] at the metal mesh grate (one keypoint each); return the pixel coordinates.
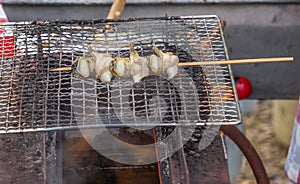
(32, 98)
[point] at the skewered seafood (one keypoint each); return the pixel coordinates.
(135, 67)
(102, 62)
(164, 62)
(120, 67)
(98, 63)
(138, 65)
(85, 66)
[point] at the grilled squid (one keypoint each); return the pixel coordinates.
(164, 62)
(135, 66)
(102, 65)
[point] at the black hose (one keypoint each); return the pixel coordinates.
(248, 150)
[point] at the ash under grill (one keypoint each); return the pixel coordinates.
(32, 98)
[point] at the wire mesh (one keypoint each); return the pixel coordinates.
(33, 98)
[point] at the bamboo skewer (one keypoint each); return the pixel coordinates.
(67, 68)
(115, 11)
(238, 61)
(203, 63)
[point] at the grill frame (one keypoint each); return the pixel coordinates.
(36, 53)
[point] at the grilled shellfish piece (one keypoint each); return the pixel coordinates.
(135, 66)
(85, 66)
(164, 62)
(121, 67)
(102, 65)
(138, 65)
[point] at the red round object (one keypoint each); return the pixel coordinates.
(243, 88)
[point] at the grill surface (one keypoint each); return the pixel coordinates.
(32, 98)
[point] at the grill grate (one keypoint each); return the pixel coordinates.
(32, 98)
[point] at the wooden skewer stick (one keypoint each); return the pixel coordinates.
(115, 11)
(67, 68)
(202, 63)
(238, 61)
